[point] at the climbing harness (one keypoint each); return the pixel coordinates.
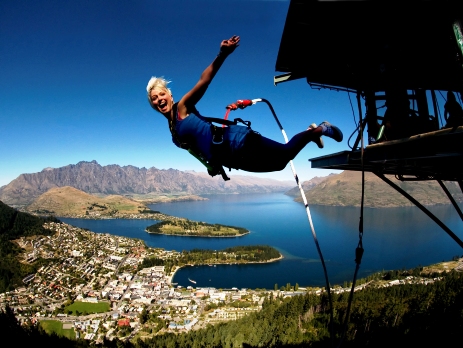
(212, 167)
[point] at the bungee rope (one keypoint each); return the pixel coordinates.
(241, 104)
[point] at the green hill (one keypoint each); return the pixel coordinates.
(69, 201)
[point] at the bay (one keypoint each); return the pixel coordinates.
(394, 238)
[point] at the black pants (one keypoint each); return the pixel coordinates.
(260, 154)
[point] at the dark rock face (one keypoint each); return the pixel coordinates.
(93, 178)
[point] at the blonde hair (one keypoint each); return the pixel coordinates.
(157, 82)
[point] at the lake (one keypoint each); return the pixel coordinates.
(394, 238)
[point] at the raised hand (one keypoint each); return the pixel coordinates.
(228, 46)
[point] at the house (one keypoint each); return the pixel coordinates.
(123, 322)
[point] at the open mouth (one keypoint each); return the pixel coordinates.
(162, 104)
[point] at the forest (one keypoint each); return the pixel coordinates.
(237, 254)
(14, 224)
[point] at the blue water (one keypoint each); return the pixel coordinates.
(394, 238)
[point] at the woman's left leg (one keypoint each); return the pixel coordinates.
(260, 154)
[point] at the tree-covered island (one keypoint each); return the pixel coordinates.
(188, 228)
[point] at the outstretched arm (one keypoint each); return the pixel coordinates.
(189, 100)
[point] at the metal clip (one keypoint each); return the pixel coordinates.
(217, 142)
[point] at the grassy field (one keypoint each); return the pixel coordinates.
(125, 207)
(55, 326)
(85, 307)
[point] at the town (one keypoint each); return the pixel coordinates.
(94, 286)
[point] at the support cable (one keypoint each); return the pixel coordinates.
(423, 209)
(440, 116)
(350, 137)
(353, 113)
(359, 250)
(449, 195)
(435, 107)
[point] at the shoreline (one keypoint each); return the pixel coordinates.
(150, 216)
(127, 216)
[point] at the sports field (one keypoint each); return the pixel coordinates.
(82, 308)
(55, 326)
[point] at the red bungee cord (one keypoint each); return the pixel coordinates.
(240, 104)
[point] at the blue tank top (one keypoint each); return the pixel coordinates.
(197, 133)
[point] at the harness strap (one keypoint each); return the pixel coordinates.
(217, 141)
(218, 170)
(227, 122)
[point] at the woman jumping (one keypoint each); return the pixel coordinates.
(238, 147)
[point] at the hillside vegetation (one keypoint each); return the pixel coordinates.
(13, 225)
(237, 254)
(409, 315)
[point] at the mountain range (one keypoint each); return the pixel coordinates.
(155, 185)
(92, 178)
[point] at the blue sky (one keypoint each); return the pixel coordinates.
(74, 74)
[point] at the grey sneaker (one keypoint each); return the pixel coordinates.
(331, 131)
(319, 140)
